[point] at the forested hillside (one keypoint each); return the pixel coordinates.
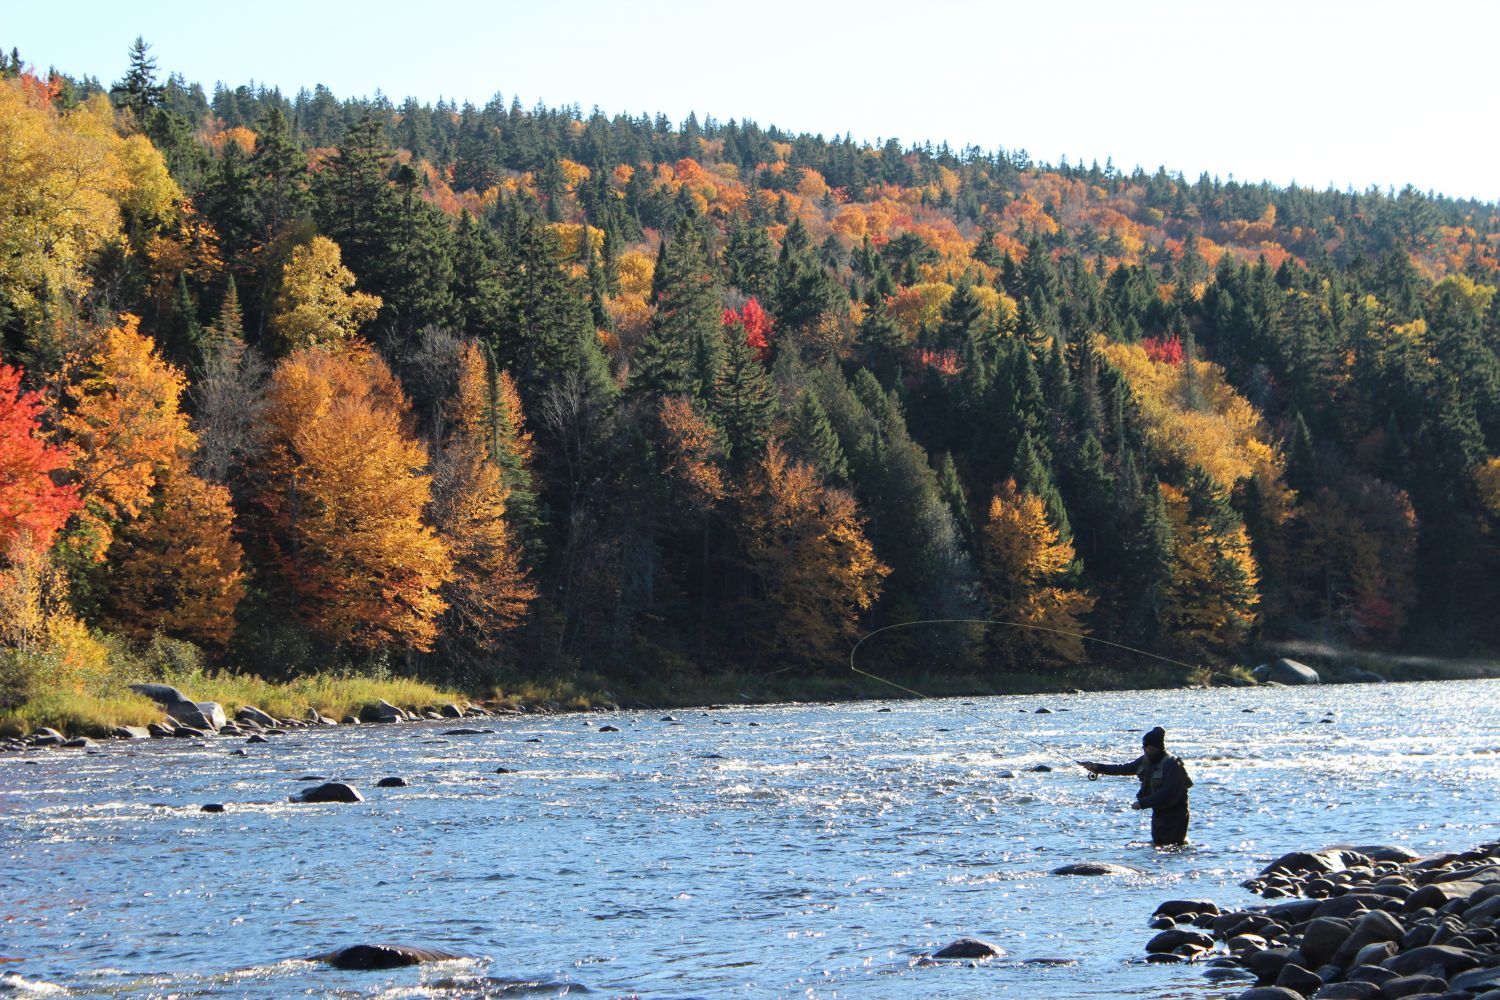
(459, 391)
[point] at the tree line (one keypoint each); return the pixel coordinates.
(459, 391)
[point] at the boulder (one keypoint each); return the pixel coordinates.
(1286, 671)
(249, 713)
(381, 956)
(451, 711)
(1316, 862)
(164, 695)
(317, 718)
(78, 743)
(130, 733)
(1432, 956)
(1369, 974)
(158, 731)
(1354, 904)
(1476, 980)
(1348, 991)
(468, 732)
(1095, 868)
(1267, 964)
(1374, 954)
(1176, 937)
(1436, 895)
(969, 948)
(1322, 938)
(332, 791)
(1359, 675)
(1407, 986)
(349, 720)
(392, 783)
(257, 738)
(1269, 993)
(207, 716)
(381, 711)
(1178, 907)
(1299, 980)
(212, 807)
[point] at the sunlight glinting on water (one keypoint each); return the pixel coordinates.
(810, 851)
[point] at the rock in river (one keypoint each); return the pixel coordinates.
(333, 791)
(382, 956)
(1095, 868)
(391, 783)
(969, 948)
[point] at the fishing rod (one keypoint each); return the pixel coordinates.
(1051, 750)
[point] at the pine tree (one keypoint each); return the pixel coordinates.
(138, 91)
(811, 439)
(685, 348)
(744, 402)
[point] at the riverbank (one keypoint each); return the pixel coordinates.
(97, 714)
(1351, 923)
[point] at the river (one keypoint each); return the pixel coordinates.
(763, 851)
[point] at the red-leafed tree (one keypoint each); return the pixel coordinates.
(757, 326)
(1164, 349)
(30, 502)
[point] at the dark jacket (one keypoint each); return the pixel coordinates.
(1164, 784)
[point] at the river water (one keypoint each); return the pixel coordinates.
(783, 851)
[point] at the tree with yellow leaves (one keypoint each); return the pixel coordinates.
(343, 494)
(817, 570)
(488, 592)
(69, 184)
(1026, 568)
(316, 303)
(1211, 602)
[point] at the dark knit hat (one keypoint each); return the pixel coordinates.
(1155, 738)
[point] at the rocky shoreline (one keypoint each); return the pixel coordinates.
(1352, 923)
(188, 719)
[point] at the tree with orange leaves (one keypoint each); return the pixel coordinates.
(805, 543)
(125, 427)
(176, 569)
(343, 493)
(488, 592)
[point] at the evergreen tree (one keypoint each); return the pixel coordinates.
(684, 349)
(138, 91)
(744, 402)
(811, 439)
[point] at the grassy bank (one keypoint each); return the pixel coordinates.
(95, 714)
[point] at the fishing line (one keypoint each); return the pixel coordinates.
(1051, 750)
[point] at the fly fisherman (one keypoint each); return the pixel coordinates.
(1164, 787)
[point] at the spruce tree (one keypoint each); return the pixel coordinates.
(811, 439)
(744, 402)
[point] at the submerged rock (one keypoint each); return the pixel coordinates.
(969, 948)
(468, 732)
(1095, 868)
(382, 956)
(333, 791)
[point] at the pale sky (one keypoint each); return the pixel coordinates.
(1348, 93)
